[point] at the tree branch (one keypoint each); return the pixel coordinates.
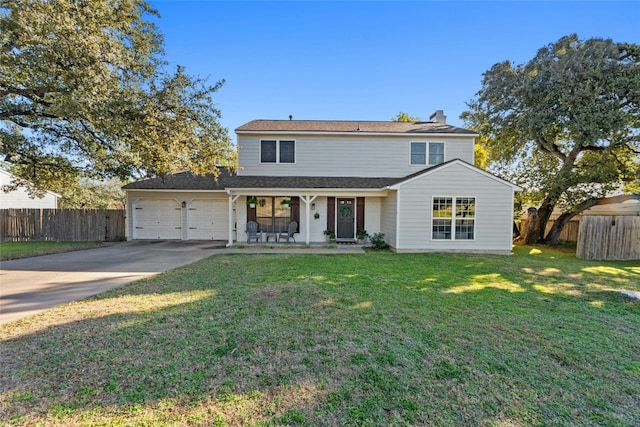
(551, 148)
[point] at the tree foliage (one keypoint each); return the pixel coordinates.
(84, 91)
(565, 125)
(404, 117)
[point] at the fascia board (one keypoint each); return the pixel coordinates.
(320, 133)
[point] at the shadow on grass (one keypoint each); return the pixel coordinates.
(336, 339)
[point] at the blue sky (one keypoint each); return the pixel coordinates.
(367, 60)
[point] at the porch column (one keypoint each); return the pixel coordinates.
(232, 200)
(307, 204)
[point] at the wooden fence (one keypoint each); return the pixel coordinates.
(569, 231)
(71, 225)
(609, 238)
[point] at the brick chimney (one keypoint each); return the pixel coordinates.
(438, 117)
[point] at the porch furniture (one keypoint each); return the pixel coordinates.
(289, 232)
(252, 232)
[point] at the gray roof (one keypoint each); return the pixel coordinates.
(189, 181)
(228, 180)
(350, 126)
(184, 181)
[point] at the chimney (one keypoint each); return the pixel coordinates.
(438, 117)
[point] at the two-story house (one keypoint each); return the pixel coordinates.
(414, 182)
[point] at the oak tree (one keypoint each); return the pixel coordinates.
(565, 125)
(85, 91)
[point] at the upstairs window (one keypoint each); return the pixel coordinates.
(420, 156)
(277, 151)
(418, 153)
(436, 153)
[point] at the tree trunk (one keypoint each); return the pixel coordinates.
(532, 234)
(554, 234)
(544, 213)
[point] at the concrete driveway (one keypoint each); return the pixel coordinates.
(31, 285)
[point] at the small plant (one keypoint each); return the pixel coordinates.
(377, 241)
(252, 201)
(316, 215)
(330, 233)
(285, 202)
(361, 234)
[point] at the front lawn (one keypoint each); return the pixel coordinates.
(537, 338)
(13, 250)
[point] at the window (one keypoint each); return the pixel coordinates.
(277, 151)
(446, 225)
(272, 215)
(436, 153)
(418, 153)
(268, 151)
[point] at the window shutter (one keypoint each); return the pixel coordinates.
(331, 212)
(251, 213)
(360, 213)
(295, 211)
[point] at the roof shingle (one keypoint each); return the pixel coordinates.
(350, 126)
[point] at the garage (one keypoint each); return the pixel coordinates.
(207, 219)
(157, 219)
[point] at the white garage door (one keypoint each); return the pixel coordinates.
(157, 219)
(206, 219)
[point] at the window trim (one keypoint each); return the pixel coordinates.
(454, 200)
(277, 141)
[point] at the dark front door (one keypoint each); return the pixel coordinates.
(346, 219)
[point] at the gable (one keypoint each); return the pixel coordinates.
(457, 166)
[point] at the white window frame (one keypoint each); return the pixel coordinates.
(444, 152)
(295, 151)
(454, 201)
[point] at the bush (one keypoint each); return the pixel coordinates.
(377, 241)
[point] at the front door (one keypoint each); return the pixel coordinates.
(346, 219)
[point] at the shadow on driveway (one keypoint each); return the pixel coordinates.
(31, 285)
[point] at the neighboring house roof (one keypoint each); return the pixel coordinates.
(350, 126)
(227, 180)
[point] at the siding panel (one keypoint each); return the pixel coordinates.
(362, 156)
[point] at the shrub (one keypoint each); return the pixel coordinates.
(377, 241)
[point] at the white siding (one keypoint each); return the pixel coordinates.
(20, 199)
(388, 214)
(494, 210)
(372, 214)
(346, 155)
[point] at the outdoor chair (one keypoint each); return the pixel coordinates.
(289, 232)
(252, 231)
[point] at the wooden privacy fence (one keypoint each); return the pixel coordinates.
(71, 225)
(609, 238)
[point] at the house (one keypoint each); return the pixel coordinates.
(20, 198)
(414, 182)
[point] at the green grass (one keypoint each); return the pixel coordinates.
(538, 338)
(14, 250)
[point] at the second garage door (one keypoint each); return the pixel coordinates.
(207, 219)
